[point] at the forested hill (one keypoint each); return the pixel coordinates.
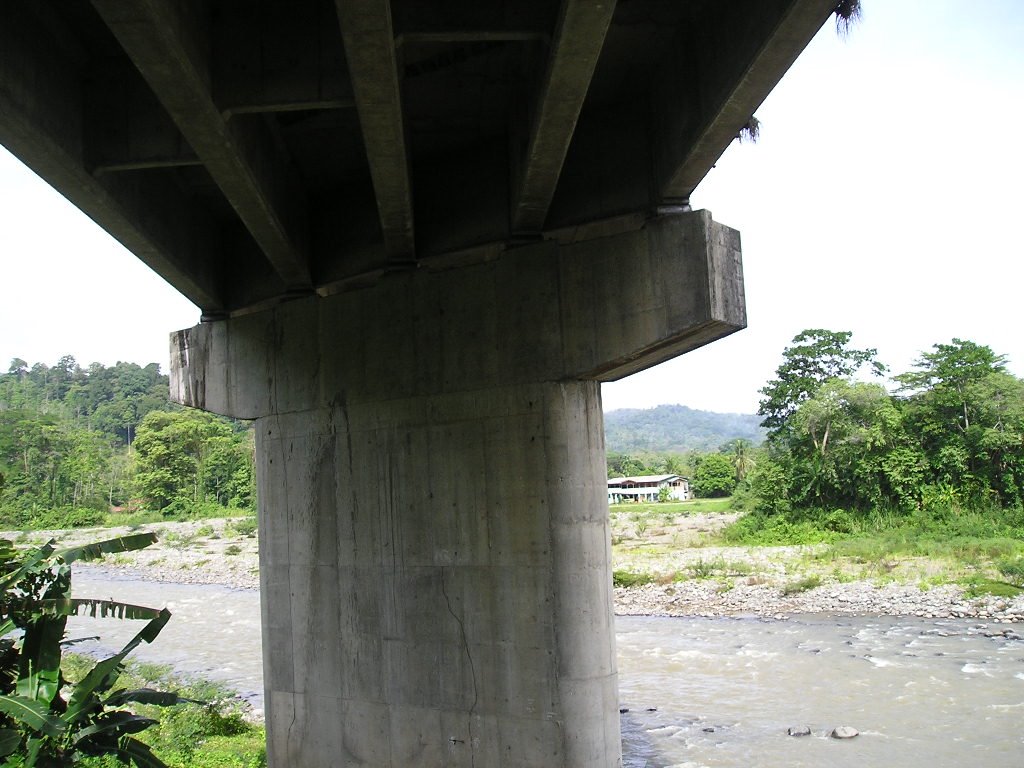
(79, 444)
(676, 429)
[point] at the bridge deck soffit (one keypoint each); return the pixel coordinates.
(252, 153)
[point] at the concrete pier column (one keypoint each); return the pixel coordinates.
(434, 543)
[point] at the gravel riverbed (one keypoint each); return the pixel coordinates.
(224, 552)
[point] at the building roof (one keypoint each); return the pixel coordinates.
(615, 481)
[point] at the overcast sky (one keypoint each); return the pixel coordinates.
(883, 197)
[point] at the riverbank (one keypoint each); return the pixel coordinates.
(676, 570)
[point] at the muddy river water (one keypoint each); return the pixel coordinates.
(923, 693)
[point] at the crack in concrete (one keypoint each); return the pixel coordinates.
(472, 668)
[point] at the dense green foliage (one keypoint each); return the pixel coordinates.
(713, 477)
(816, 356)
(951, 438)
(206, 730)
(46, 721)
(77, 442)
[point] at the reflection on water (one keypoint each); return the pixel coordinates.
(705, 692)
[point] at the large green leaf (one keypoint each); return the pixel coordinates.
(120, 723)
(7, 551)
(80, 606)
(104, 674)
(100, 548)
(140, 754)
(10, 740)
(148, 696)
(33, 714)
(35, 561)
(39, 670)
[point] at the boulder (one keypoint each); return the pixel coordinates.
(799, 730)
(844, 732)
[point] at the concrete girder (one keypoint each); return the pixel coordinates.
(43, 123)
(705, 99)
(581, 30)
(168, 43)
(367, 31)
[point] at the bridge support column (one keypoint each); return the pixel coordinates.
(434, 544)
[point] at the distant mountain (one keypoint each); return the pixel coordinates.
(676, 429)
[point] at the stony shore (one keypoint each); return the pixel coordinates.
(862, 598)
(225, 552)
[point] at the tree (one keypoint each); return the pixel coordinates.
(739, 452)
(837, 445)
(714, 476)
(816, 356)
(968, 413)
(189, 457)
(946, 373)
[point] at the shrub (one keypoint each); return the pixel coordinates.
(801, 585)
(1012, 570)
(630, 578)
(244, 526)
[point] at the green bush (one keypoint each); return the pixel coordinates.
(244, 526)
(1012, 570)
(193, 735)
(630, 578)
(801, 585)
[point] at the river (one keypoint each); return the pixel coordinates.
(704, 692)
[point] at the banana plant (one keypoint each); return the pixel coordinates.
(45, 721)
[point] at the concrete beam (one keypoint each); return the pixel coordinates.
(168, 43)
(42, 124)
(579, 36)
(703, 99)
(599, 310)
(373, 66)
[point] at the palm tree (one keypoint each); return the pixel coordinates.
(739, 451)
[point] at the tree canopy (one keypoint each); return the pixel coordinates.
(953, 431)
(70, 446)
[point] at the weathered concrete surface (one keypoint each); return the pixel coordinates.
(435, 552)
(599, 309)
(436, 585)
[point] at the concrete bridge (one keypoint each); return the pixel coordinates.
(421, 234)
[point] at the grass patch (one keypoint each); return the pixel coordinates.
(243, 526)
(214, 735)
(631, 578)
(979, 586)
(178, 540)
(801, 585)
(674, 508)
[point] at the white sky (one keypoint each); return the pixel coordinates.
(880, 199)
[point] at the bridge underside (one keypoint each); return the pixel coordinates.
(421, 233)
